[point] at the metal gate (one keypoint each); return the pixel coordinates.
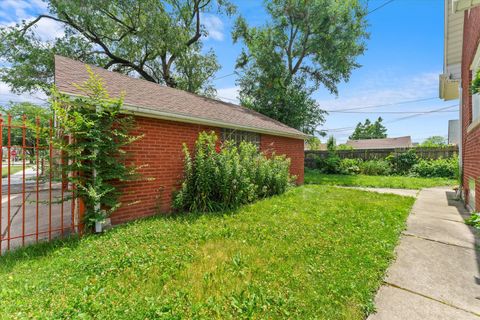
(38, 204)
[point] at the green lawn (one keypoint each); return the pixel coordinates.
(13, 169)
(401, 182)
(315, 252)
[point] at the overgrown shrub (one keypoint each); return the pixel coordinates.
(446, 168)
(221, 178)
(474, 220)
(402, 162)
(375, 168)
(330, 164)
(350, 166)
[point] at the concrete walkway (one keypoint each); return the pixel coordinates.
(400, 192)
(437, 271)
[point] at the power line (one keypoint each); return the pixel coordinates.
(227, 75)
(384, 105)
(380, 7)
(395, 120)
(389, 112)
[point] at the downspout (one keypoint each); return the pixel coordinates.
(460, 146)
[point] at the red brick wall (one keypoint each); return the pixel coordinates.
(470, 140)
(293, 148)
(160, 151)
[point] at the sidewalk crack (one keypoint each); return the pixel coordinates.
(437, 241)
(431, 298)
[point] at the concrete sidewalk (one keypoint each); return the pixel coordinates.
(436, 273)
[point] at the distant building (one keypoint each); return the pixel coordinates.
(454, 132)
(386, 143)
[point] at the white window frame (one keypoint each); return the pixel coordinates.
(474, 68)
(238, 136)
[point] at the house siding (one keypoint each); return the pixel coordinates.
(470, 140)
(159, 153)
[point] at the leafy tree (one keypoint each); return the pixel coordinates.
(434, 141)
(153, 39)
(331, 144)
(369, 130)
(31, 112)
(303, 46)
(313, 143)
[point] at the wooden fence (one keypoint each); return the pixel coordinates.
(377, 154)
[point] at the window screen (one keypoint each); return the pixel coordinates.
(238, 136)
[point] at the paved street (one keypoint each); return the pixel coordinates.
(28, 213)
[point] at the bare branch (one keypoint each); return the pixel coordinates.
(34, 21)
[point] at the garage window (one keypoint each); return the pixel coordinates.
(238, 136)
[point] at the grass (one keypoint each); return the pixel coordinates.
(314, 252)
(401, 182)
(13, 170)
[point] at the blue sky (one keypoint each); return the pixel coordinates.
(403, 60)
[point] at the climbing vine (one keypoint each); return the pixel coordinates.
(92, 133)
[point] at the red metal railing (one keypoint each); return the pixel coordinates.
(34, 199)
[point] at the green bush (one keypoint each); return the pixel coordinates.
(445, 168)
(474, 220)
(401, 163)
(330, 164)
(227, 177)
(375, 168)
(350, 166)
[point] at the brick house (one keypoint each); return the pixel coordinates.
(461, 62)
(170, 117)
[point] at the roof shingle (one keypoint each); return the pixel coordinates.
(386, 143)
(176, 103)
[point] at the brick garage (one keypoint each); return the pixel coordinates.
(168, 118)
(470, 125)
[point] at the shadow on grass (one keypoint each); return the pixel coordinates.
(44, 249)
(35, 251)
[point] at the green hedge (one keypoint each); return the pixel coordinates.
(222, 177)
(400, 164)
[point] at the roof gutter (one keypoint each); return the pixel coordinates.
(156, 114)
(463, 5)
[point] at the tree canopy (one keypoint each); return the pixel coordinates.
(304, 45)
(160, 41)
(31, 112)
(369, 130)
(434, 141)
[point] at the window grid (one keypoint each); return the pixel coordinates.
(475, 112)
(238, 136)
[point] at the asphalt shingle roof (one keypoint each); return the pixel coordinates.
(387, 143)
(176, 103)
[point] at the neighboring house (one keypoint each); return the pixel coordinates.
(386, 143)
(461, 62)
(170, 117)
(454, 132)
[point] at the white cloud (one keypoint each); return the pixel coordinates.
(214, 26)
(17, 10)
(374, 92)
(48, 29)
(229, 94)
(6, 95)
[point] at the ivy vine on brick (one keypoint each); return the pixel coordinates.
(92, 134)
